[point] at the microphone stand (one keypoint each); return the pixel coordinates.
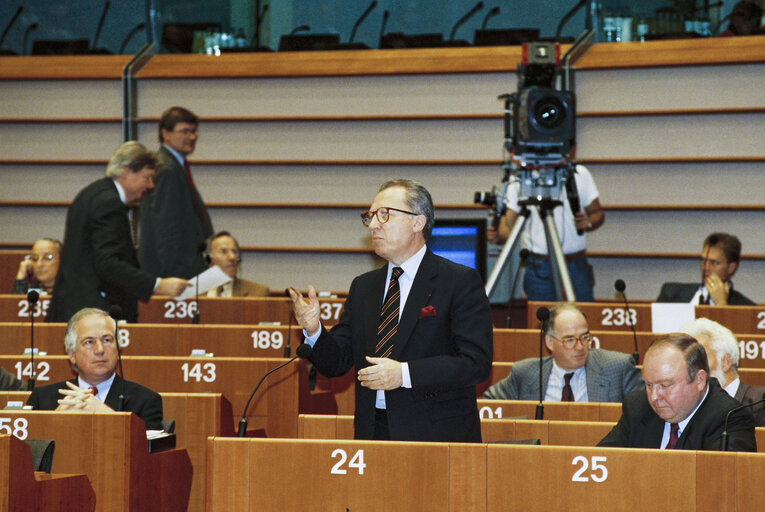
(361, 18)
(32, 297)
(477, 7)
(724, 435)
(542, 315)
(116, 313)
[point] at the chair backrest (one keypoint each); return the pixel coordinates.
(42, 453)
(168, 426)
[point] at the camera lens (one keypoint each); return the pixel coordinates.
(549, 112)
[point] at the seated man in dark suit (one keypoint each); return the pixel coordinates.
(719, 261)
(722, 353)
(596, 375)
(223, 250)
(681, 407)
(92, 350)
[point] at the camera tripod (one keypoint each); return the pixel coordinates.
(561, 277)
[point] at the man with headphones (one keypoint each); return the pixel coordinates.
(223, 250)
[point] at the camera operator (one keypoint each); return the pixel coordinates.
(538, 280)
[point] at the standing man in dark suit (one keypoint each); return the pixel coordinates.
(719, 261)
(99, 265)
(591, 374)
(92, 350)
(418, 330)
(174, 220)
(723, 353)
(681, 408)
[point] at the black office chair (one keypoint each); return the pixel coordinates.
(168, 426)
(42, 453)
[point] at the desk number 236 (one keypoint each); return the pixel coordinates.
(598, 473)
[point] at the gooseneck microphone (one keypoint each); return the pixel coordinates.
(288, 347)
(543, 314)
(202, 250)
(361, 18)
(724, 435)
(493, 12)
(115, 311)
(620, 287)
(100, 24)
(32, 297)
(385, 16)
(304, 351)
(10, 24)
(477, 7)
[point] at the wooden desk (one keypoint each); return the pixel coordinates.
(611, 316)
(274, 408)
(22, 490)
(111, 449)
(196, 415)
(250, 475)
(165, 310)
(560, 411)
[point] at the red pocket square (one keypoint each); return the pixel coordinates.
(427, 311)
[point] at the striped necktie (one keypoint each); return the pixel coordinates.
(388, 325)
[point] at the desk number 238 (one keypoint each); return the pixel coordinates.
(598, 473)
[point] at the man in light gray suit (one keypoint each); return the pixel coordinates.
(574, 372)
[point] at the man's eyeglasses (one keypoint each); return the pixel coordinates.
(186, 132)
(383, 214)
(570, 341)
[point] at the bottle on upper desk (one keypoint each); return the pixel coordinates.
(642, 28)
(240, 40)
(609, 28)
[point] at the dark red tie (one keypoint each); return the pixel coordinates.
(568, 394)
(93, 390)
(674, 428)
(388, 325)
(187, 167)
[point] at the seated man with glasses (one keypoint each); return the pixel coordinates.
(575, 372)
(39, 268)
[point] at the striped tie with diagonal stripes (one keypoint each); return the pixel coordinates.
(389, 315)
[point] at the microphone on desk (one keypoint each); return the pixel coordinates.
(115, 311)
(304, 351)
(543, 314)
(620, 287)
(493, 12)
(100, 25)
(202, 251)
(361, 18)
(32, 297)
(10, 24)
(724, 435)
(385, 16)
(287, 346)
(477, 7)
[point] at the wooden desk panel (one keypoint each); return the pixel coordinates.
(338, 475)
(22, 490)
(611, 316)
(111, 449)
(559, 411)
(165, 310)
(274, 408)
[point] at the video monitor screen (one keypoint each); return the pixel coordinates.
(462, 241)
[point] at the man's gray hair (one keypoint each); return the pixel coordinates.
(418, 200)
(130, 154)
(549, 327)
(70, 338)
(721, 339)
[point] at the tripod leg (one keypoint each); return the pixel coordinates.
(561, 277)
(499, 266)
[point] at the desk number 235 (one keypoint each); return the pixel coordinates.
(598, 473)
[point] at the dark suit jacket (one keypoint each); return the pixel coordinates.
(640, 427)
(448, 348)
(610, 376)
(174, 223)
(99, 265)
(145, 403)
(747, 394)
(9, 382)
(684, 292)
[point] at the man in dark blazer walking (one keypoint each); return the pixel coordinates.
(99, 266)
(92, 350)
(681, 407)
(174, 220)
(418, 353)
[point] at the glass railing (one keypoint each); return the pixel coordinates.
(218, 26)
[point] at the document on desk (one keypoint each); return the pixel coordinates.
(209, 279)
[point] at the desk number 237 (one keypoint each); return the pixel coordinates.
(598, 472)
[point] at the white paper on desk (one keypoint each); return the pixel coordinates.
(669, 317)
(209, 279)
